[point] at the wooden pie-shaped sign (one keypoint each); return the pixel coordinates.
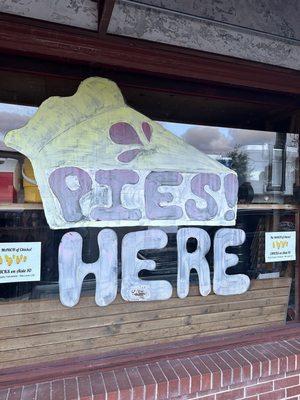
(99, 163)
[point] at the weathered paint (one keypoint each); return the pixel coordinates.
(228, 284)
(80, 13)
(72, 269)
(133, 288)
(98, 162)
(264, 31)
(195, 260)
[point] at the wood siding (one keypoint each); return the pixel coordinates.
(44, 330)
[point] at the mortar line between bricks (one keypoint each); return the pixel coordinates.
(131, 388)
(190, 376)
(276, 357)
(144, 385)
(270, 347)
(77, 384)
(90, 383)
(252, 355)
(221, 372)
(168, 384)
(251, 368)
(179, 382)
(50, 389)
(64, 384)
(119, 395)
(241, 366)
(201, 375)
(156, 384)
(287, 345)
(265, 358)
(229, 367)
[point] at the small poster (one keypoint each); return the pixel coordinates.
(20, 262)
(280, 246)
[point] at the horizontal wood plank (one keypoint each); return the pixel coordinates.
(30, 360)
(139, 339)
(31, 328)
(39, 330)
(32, 306)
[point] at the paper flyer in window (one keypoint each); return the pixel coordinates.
(20, 262)
(280, 246)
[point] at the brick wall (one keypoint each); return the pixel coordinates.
(284, 386)
(267, 371)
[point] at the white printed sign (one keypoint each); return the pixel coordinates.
(20, 262)
(280, 246)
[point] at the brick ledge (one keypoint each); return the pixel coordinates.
(226, 371)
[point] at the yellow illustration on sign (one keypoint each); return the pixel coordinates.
(12, 258)
(98, 162)
(280, 244)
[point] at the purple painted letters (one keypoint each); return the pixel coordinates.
(69, 197)
(116, 179)
(153, 197)
(231, 186)
(198, 184)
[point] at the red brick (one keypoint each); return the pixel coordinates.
(194, 374)
(226, 370)
(243, 384)
(214, 369)
(171, 376)
(209, 397)
(124, 385)
(149, 382)
(43, 391)
(111, 386)
(260, 388)
(279, 353)
(255, 364)
(161, 380)
(245, 364)
(274, 361)
(295, 343)
(275, 395)
(15, 394)
(71, 388)
(286, 382)
(290, 356)
(264, 360)
(292, 360)
(206, 376)
(271, 378)
(236, 367)
(184, 377)
(291, 373)
(251, 398)
(231, 395)
(84, 387)
(28, 392)
(139, 390)
(98, 386)
(58, 389)
(293, 391)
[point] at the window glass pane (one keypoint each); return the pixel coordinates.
(269, 190)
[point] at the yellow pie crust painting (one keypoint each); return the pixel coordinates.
(100, 163)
